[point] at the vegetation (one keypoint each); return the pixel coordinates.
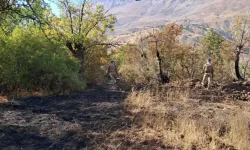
(240, 30)
(49, 53)
(36, 65)
(43, 52)
(171, 118)
(161, 53)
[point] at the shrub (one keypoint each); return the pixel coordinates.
(30, 61)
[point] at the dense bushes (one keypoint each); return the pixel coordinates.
(30, 61)
(134, 68)
(95, 58)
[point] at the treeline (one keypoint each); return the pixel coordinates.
(159, 53)
(40, 51)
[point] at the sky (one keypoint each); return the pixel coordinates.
(54, 7)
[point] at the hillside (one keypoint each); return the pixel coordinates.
(196, 15)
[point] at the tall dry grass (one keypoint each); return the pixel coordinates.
(170, 116)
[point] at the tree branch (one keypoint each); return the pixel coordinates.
(96, 23)
(81, 16)
(66, 4)
(70, 47)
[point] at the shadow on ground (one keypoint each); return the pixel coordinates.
(76, 121)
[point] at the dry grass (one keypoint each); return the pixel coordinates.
(170, 116)
(3, 99)
(20, 93)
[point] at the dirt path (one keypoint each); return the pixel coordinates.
(76, 121)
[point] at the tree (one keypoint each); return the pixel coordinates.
(36, 65)
(240, 30)
(187, 62)
(82, 27)
(164, 44)
(211, 44)
(22, 9)
(15, 13)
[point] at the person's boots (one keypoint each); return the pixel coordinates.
(204, 85)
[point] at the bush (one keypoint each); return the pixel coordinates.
(30, 61)
(135, 69)
(95, 58)
(139, 64)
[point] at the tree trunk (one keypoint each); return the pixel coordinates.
(81, 70)
(164, 78)
(237, 68)
(78, 51)
(81, 57)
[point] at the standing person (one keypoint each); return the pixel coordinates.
(112, 71)
(208, 71)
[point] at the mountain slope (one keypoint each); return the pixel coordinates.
(196, 15)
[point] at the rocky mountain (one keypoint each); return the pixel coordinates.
(197, 16)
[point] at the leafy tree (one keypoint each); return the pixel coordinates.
(42, 50)
(83, 28)
(132, 66)
(211, 44)
(164, 55)
(155, 61)
(187, 64)
(221, 51)
(23, 9)
(240, 30)
(164, 43)
(35, 65)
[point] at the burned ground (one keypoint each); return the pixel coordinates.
(71, 122)
(107, 119)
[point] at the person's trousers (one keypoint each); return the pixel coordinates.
(113, 76)
(207, 80)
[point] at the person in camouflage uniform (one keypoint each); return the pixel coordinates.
(112, 71)
(208, 74)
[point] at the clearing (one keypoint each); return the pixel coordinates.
(161, 118)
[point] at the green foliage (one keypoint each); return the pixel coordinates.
(29, 61)
(83, 28)
(21, 11)
(221, 52)
(211, 44)
(55, 51)
(83, 24)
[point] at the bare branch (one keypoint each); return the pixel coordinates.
(103, 44)
(66, 4)
(81, 16)
(96, 23)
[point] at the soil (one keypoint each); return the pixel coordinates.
(76, 121)
(87, 120)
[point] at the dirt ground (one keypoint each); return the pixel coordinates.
(76, 121)
(97, 119)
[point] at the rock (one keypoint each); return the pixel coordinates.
(243, 97)
(182, 136)
(246, 83)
